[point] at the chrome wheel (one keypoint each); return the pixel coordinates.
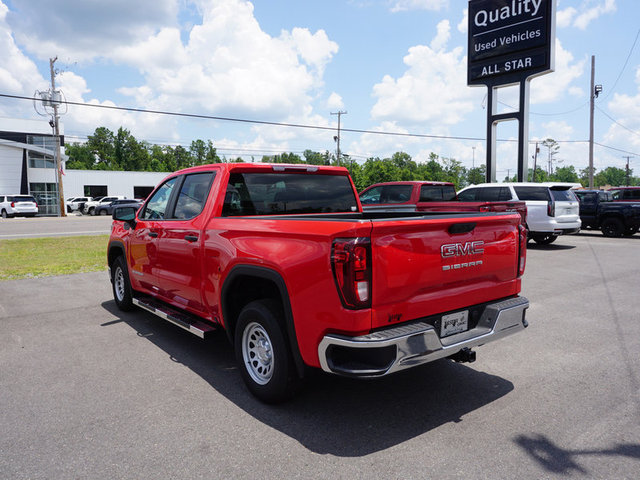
(257, 353)
(119, 284)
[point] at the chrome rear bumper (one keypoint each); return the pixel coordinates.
(390, 350)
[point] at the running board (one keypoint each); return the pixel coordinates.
(190, 323)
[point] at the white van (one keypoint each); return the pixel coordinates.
(552, 207)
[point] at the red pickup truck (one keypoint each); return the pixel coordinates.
(429, 196)
(284, 260)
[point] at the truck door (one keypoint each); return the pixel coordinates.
(144, 240)
(180, 243)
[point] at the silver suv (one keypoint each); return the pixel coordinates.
(552, 208)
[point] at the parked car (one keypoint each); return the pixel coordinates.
(90, 207)
(625, 194)
(18, 206)
(107, 209)
(429, 196)
(77, 203)
(599, 210)
(552, 208)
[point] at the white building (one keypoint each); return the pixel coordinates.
(27, 166)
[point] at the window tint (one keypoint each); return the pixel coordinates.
(372, 195)
(281, 193)
(493, 194)
(563, 195)
(587, 198)
(533, 193)
(437, 193)
(157, 206)
(468, 195)
(193, 194)
(24, 198)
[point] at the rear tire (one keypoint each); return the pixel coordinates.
(103, 212)
(544, 238)
(631, 231)
(4, 214)
(122, 293)
(612, 227)
(263, 353)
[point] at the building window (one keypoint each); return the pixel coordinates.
(38, 160)
(46, 194)
(95, 191)
(50, 142)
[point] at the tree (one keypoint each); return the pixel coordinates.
(552, 150)
(80, 157)
(565, 174)
(101, 144)
(477, 175)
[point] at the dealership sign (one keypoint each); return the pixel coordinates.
(509, 40)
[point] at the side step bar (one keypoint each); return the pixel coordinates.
(190, 323)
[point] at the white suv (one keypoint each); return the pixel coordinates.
(552, 208)
(18, 205)
(77, 203)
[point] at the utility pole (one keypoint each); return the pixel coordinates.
(56, 132)
(535, 161)
(628, 172)
(473, 160)
(592, 96)
(339, 113)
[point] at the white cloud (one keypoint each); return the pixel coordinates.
(335, 102)
(18, 74)
(230, 66)
(433, 90)
(406, 5)
(463, 26)
(84, 30)
(552, 87)
(588, 11)
(625, 109)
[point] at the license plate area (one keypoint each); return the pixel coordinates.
(454, 323)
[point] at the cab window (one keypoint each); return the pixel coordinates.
(156, 207)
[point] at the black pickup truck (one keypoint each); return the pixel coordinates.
(615, 219)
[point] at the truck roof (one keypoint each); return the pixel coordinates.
(274, 167)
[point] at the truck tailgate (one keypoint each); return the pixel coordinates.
(441, 263)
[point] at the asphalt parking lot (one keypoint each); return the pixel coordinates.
(89, 392)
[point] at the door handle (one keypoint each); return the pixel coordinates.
(191, 238)
(153, 234)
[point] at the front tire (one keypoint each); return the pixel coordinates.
(122, 293)
(263, 353)
(612, 227)
(103, 212)
(630, 231)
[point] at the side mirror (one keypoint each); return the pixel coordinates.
(125, 214)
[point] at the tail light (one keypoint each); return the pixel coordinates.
(551, 208)
(13, 204)
(485, 208)
(522, 249)
(351, 264)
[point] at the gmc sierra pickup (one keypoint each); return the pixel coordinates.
(284, 260)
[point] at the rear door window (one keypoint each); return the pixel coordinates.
(193, 195)
(468, 195)
(533, 193)
(563, 195)
(437, 193)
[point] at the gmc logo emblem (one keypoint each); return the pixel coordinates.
(461, 249)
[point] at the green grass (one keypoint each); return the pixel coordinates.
(43, 257)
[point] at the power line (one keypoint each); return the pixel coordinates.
(626, 62)
(616, 122)
(294, 125)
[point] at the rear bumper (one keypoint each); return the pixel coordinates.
(398, 348)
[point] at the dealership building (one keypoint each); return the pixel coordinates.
(28, 167)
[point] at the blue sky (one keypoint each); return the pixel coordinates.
(393, 65)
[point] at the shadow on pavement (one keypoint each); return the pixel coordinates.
(333, 415)
(558, 460)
